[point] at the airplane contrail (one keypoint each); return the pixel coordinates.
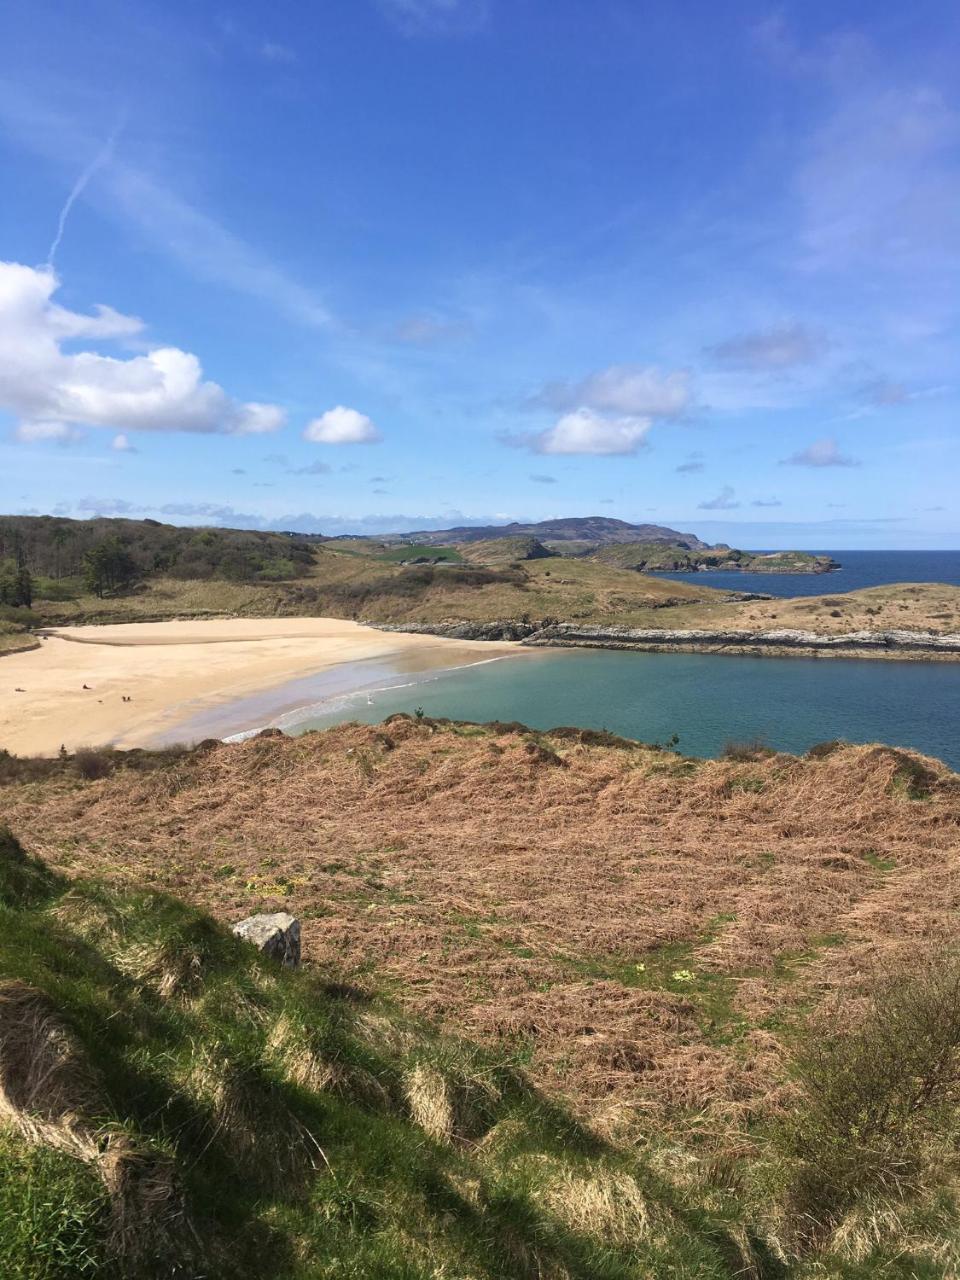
(76, 191)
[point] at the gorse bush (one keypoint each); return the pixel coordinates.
(880, 1097)
(92, 764)
(744, 752)
(823, 750)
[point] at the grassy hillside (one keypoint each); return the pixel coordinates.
(343, 584)
(716, 1004)
(920, 606)
(404, 553)
(173, 1105)
(505, 550)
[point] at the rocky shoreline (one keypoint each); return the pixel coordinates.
(775, 643)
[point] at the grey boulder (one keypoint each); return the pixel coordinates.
(276, 935)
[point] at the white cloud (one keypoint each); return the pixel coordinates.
(342, 426)
(636, 390)
(610, 411)
(52, 391)
(584, 431)
(122, 444)
(822, 453)
(724, 501)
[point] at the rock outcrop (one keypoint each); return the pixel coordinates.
(502, 629)
(549, 633)
(925, 642)
(276, 935)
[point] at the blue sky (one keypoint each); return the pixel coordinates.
(374, 264)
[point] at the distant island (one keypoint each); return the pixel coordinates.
(656, 557)
(648, 548)
(579, 531)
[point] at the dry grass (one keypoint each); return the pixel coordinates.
(50, 1096)
(13, 640)
(608, 1202)
(638, 927)
(429, 1102)
(47, 1091)
(923, 606)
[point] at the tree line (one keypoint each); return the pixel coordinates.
(108, 555)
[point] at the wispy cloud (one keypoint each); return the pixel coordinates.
(884, 392)
(206, 248)
(880, 184)
(822, 453)
(62, 433)
(107, 507)
(102, 157)
(271, 51)
(771, 349)
(314, 469)
(637, 390)
(724, 501)
(424, 330)
(436, 17)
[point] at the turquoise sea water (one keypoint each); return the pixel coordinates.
(707, 699)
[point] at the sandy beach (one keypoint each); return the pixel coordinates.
(180, 673)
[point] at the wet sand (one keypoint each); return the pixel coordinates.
(189, 680)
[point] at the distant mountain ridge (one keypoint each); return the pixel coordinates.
(601, 530)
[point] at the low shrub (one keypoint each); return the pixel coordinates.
(92, 764)
(878, 1116)
(744, 752)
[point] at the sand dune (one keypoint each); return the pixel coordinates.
(173, 671)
